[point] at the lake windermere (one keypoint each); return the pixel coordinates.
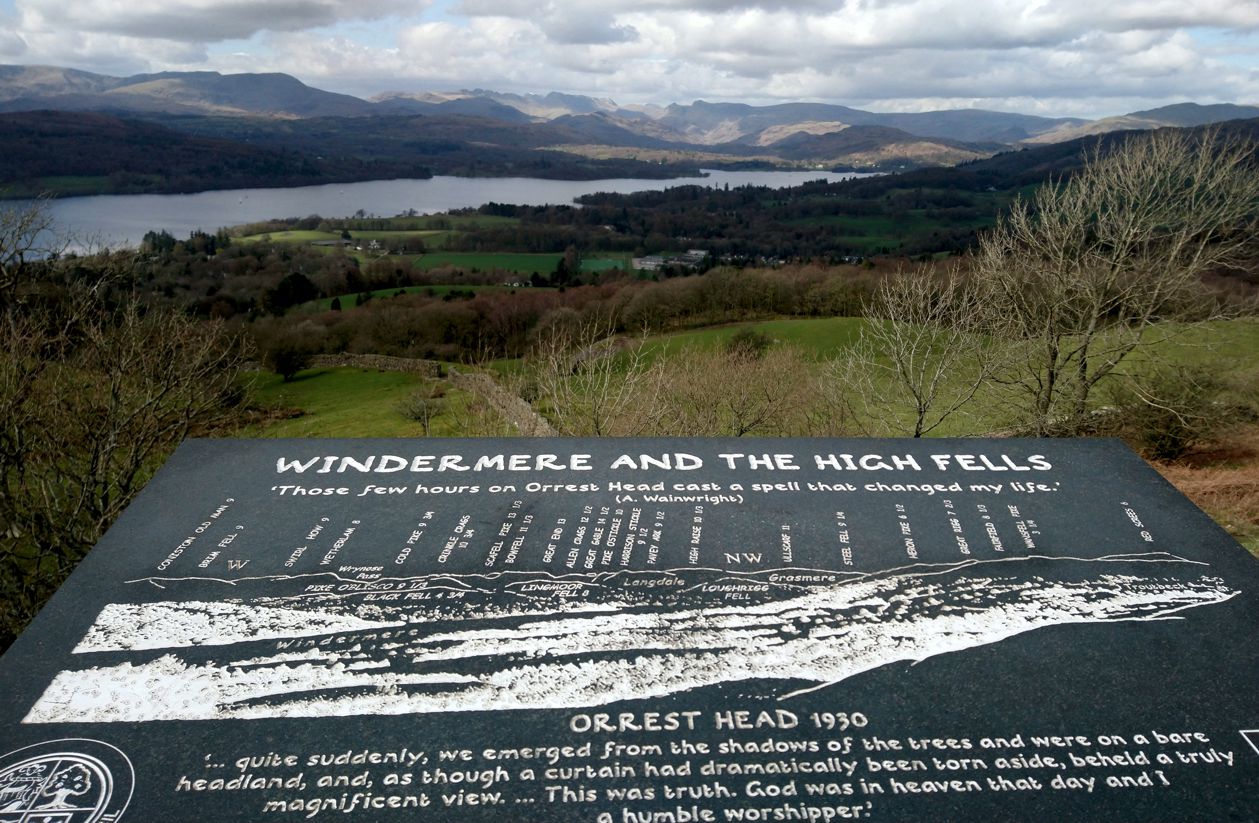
(122, 220)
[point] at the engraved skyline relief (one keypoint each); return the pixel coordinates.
(317, 645)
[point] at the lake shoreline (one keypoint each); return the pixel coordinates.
(122, 220)
(11, 191)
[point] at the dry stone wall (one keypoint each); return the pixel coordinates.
(513, 408)
(426, 368)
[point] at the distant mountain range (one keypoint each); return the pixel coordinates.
(30, 88)
(553, 135)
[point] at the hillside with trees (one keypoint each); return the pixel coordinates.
(81, 153)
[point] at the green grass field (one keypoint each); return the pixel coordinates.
(341, 402)
(1234, 343)
(1237, 340)
(598, 264)
(437, 239)
(350, 402)
(295, 236)
(821, 337)
(457, 222)
(433, 228)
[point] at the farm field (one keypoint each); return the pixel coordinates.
(433, 229)
(598, 264)
(290, 236)
(519, 262)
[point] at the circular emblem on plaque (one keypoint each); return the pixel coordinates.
(65, 781)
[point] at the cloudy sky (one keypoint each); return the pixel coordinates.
(1067, 57)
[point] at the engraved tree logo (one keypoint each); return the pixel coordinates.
(56, 788)
(65, 781)
(72, 781)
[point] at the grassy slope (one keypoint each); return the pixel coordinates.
(350, 402)
(822, 337)
(292, 236)
(338, 403)
(1233, 344)
(1235, 341)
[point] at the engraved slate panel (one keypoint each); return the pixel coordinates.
(622, 631)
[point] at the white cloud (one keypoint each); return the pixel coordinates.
(201, 20)
(12, 46)
(588, 31)
(107, 53)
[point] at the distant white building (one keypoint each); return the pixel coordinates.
(652, 262)
(690, 259)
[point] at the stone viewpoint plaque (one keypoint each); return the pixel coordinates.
(625, 631)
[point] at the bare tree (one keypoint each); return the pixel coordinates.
(587, 382)
(590, 384)
(27, 236)
(1095, 267)
(95, 391)
(920, 350)
(733, 393)
(89, 412)
(422, 406)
